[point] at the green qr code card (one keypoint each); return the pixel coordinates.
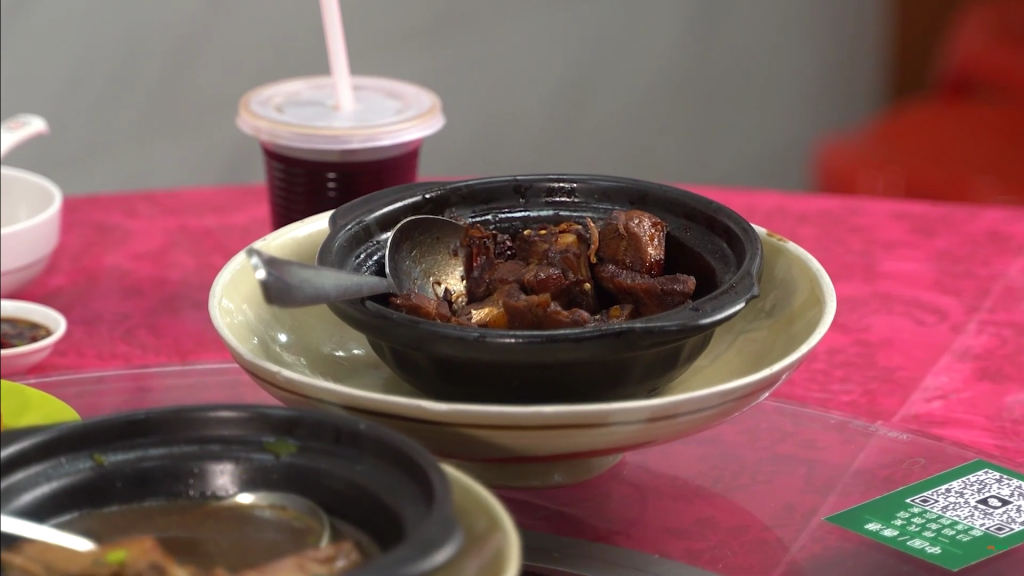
(953, 519)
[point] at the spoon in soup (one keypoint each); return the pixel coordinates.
(423, 255)
(290, 503)
(42, 533)
(265, 500)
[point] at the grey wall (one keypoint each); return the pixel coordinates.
(142, 93)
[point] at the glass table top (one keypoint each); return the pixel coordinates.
(744, 498)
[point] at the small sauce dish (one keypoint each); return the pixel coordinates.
(34, 329)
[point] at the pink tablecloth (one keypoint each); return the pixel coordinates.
(929, 333)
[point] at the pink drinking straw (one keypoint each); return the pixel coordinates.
(337, 54)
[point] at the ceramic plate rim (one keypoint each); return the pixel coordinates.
(510, 531)
(468, 413)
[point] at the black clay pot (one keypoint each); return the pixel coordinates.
(607, 362)
(370, 477)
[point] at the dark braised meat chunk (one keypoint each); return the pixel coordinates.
(558, 259)
(509, 308)
(485, 249)
(634, 240)
(505, 273)
(541, 313)
(649, 295)
(489, 313)
(547, 278)
(422, 306)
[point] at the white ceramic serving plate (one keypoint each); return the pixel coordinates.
(307, 357)
(22, 358)
(30, 211)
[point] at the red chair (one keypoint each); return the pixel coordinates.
(983, 54)
(963, 140)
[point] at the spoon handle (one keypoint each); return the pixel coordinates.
(42, 533)
(19, 128)
(290, 284)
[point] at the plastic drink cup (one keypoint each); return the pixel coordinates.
(318, 158)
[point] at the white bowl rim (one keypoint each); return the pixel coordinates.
(56, 197)
(58, 327)
(425, 409)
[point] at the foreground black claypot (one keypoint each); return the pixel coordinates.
(607, 362)
(363, 474)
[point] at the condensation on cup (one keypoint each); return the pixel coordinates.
(318, 158)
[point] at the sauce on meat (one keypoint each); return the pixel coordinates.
(566, 276)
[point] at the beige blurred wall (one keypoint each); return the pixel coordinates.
(142, 93)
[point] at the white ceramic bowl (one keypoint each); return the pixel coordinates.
(19, 360)
(30, 211)
(307, 357)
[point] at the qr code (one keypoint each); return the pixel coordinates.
(986, 500)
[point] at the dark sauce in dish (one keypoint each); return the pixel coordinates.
(16, 332)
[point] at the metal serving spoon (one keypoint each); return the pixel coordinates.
(43, 533)
(423, 255)
(290, 502)
(281, 500)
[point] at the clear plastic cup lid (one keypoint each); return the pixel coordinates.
(301, 113)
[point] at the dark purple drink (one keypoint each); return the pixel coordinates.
(319, 157)
(300, 188)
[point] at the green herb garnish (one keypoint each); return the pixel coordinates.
(280, 447)
(116, 557)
